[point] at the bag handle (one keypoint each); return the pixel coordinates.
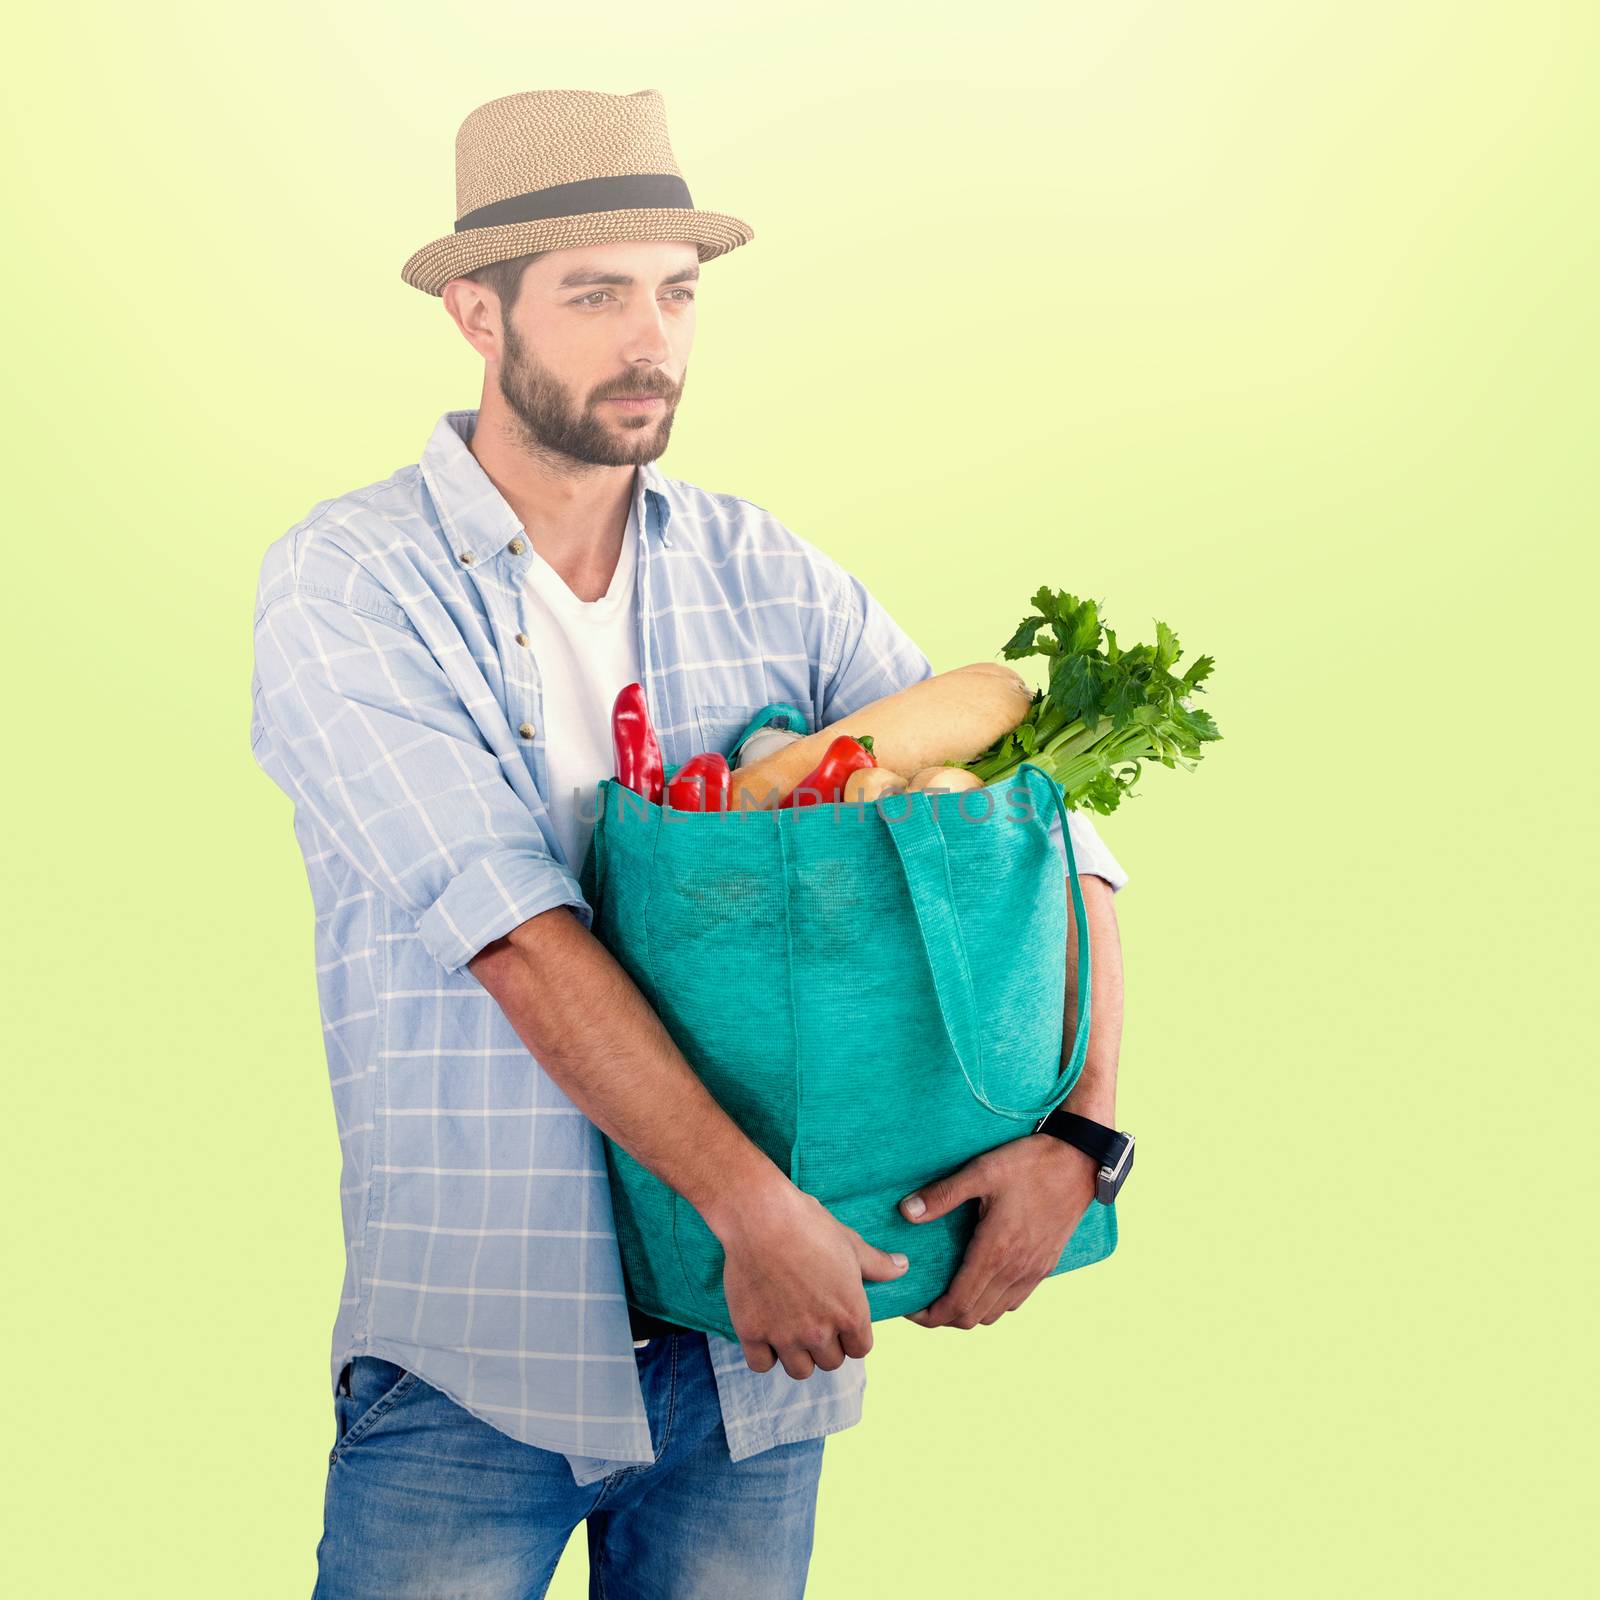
(774, 711)
(925, 859)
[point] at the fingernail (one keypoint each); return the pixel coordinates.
(915, 1206)
(900, 1260)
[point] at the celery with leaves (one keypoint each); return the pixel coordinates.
(1105, 710)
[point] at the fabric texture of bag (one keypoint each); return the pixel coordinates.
(874, 994)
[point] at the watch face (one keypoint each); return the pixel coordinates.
(1115, 1172)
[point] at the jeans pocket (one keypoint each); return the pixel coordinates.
(375, 1387)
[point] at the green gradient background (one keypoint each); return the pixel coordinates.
(1274, 321)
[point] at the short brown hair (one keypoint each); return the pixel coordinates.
(504, 277)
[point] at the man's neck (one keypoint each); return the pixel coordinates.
(574, 515)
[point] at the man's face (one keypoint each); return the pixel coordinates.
(593, 324)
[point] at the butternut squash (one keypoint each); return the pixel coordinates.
(952, 716)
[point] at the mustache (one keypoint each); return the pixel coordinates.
(638, 394)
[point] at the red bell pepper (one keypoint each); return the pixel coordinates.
(639, 764)
(844, 756)
(702, 783)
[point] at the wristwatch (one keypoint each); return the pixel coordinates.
(1111, 1148)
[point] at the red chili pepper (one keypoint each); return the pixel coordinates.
(702, 783)
(639, 764)
(844, 756)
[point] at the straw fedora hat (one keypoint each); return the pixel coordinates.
(551, 169)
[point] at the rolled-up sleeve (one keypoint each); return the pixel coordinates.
(355, 719)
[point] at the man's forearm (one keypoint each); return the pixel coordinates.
(589, 1027)
(1094, 1095)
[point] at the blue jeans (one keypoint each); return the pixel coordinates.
(425, 1499)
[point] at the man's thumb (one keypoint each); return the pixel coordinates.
(876, 1263)
(934, 1199)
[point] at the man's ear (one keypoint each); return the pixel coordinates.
(476, 314)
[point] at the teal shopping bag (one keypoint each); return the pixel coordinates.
(873, 993)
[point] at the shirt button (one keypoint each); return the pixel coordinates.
(522, 639)
(466, 558)
(526, 730)
(515, 547)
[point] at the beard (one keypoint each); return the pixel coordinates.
(550, 421)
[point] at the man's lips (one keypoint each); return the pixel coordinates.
(636, 402)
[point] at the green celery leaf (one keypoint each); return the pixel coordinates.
(1167, 647)
(1198, 722)
(1021, 643)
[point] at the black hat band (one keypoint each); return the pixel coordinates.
(637, 191)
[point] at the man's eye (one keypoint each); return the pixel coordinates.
(589, 299)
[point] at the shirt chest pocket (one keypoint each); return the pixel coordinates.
(720, 723)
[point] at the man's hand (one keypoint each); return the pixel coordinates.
(794, 1283)
(1031, 1194)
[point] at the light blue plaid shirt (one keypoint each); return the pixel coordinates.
(396, 700)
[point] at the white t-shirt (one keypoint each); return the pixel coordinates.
(587, 651)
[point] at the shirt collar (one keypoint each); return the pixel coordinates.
(477, 521)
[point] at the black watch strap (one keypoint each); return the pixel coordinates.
(1093, 1138)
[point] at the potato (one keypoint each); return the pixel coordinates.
(944, 778)
(867, 784)
(952, 716)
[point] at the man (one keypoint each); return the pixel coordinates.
(436, 659)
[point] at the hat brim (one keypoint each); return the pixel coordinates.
(456, 254)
